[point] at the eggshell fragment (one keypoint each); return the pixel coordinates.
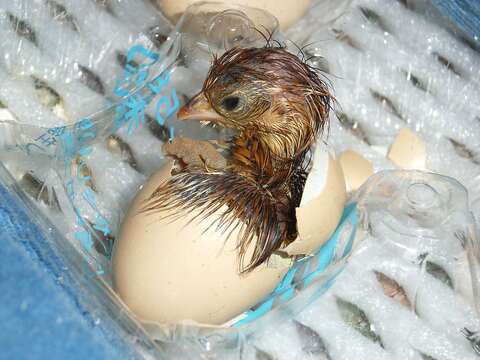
(287, 12)
(408, 151)
(322, 205)
(356, 169)
(169, 270)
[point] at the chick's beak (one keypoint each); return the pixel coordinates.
(198, 108)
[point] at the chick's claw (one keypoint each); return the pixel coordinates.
(195, 154)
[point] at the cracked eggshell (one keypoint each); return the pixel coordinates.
(408, 151)
(356, 169)
(287, 12)
(170, 271)
(322, 204)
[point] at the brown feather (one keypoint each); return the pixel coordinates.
(262, 184)
(245, 200)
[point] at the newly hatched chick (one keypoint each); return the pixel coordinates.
(278, 106)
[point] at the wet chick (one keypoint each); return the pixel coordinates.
(278, 106)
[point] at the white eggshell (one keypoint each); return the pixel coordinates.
(356, 169)
(287, 12)
(322, 204)
(408, 151)
(169, 271)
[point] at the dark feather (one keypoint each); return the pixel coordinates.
(297, 184)
(246, 204)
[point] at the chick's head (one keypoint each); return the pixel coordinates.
(268, 92)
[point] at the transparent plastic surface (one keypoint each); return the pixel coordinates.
(421, 277)
(90, 94)
(409, 290)
(424, 218)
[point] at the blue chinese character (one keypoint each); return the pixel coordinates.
(166, 104)
(101, 225)
(119, 120)
(157, 84)
(46, 140)
(68, 146)
(84, 124)
(80, 177)
(140, 50)
(89, 197)
(85, 239)
(70, 189)
(57, 131)
(135, 114)
(28, 148)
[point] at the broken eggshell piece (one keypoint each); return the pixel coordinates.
(322, 204)
(408, 151)
(356, 169)
(174, 270)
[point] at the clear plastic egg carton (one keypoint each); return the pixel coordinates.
(90, 91)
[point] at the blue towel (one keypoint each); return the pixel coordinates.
(465, 14)
(40, 317)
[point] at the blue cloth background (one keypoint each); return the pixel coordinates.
(42, 319)
(39, 317)
(465, 14)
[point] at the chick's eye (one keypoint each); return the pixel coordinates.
(230, 103)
